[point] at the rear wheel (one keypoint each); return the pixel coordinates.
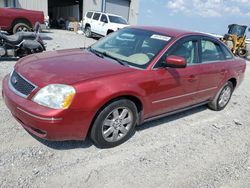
(222, 98)
(114, 124)
(21, 27)
(88, 32)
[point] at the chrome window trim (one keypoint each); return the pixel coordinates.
(198, 35)
(176, 97)
(17, 92)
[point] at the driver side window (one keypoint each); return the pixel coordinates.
(187, 50)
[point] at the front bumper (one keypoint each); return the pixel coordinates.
(44, 122)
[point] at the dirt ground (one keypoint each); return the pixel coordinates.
(197, 148)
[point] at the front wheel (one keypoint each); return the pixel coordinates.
(222, 98)
(114, 124)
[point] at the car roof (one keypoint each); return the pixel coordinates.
(169, 31)
(105, 13)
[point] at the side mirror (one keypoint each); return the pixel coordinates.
(175, 61)
(105, 21)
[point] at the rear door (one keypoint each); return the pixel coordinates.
(176, 88)
(95, 22)
(213, 68)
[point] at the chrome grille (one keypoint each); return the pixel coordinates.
(20, 85)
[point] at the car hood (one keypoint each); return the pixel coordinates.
(66, 67)
(120, 26)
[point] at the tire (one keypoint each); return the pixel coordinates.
(21, 27)
(88, 32)
(222, 97)
(242, 52)
(114, 124)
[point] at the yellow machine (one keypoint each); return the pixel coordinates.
(236, 34)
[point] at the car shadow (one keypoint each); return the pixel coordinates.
(170, 118)
(45, 37)
(64, 145)
(46, 31)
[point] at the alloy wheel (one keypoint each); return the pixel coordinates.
(117, 124)
(225, 96)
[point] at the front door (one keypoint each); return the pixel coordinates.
(176, 88)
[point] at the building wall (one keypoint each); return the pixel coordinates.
(88, 5)
(133, 12)
(1, 3)
(41, 5)
(98, 5)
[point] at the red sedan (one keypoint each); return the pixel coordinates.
(129, 77)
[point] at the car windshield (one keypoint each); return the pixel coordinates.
(117, 19)
(136, 47)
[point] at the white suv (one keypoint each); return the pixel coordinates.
(102, 24)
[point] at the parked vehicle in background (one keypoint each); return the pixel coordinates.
(133, 75)
(102, 24)
(21, 44)
(16, 19)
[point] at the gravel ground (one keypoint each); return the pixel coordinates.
(197, 148)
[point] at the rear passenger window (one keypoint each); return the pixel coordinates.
(89, 14)
(211, 51)
(96, 16)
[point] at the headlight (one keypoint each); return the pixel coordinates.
(57, 96)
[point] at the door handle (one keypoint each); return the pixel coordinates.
(192, 78)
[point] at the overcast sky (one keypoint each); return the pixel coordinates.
(198, 15)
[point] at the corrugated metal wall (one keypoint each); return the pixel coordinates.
(92, 5)
(119, 7)
(133, 12)
(41, 5)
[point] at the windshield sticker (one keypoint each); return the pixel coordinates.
(160, 37)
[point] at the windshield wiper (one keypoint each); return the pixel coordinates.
(122, 62)
(102, 54)
(97, 53)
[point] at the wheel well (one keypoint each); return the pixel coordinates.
(134, 99)
(233, 81)
(87, 25)
(109, 31)
(21, 20)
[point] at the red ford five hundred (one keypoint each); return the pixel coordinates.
(132, 76)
